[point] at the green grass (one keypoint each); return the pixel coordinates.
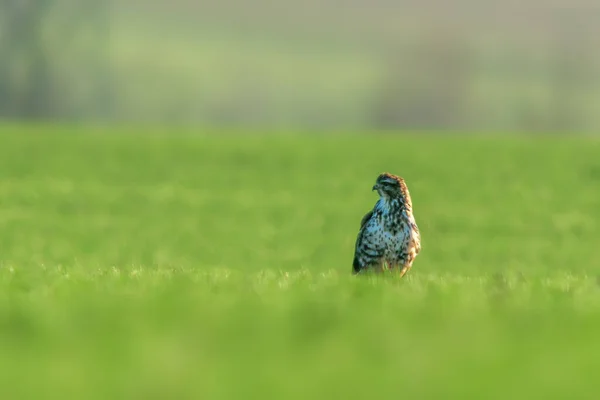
(151, 265)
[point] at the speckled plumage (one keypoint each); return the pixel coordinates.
(389, 236)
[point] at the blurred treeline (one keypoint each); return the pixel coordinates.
(416, 64)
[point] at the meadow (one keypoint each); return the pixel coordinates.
(140, 263)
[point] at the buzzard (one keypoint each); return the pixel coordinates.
(389, 236)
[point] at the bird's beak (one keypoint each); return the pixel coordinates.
(375, 187)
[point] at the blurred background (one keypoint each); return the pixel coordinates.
(471, 65)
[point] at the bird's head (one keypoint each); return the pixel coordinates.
(392, 187)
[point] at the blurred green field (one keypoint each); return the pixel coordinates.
(181, 264)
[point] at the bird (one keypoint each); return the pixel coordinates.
(388, 237)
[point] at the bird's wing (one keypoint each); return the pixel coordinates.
(366, 218)
(363, 222)
(418, 237)
(361, 231)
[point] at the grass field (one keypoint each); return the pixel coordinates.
(165, 265)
